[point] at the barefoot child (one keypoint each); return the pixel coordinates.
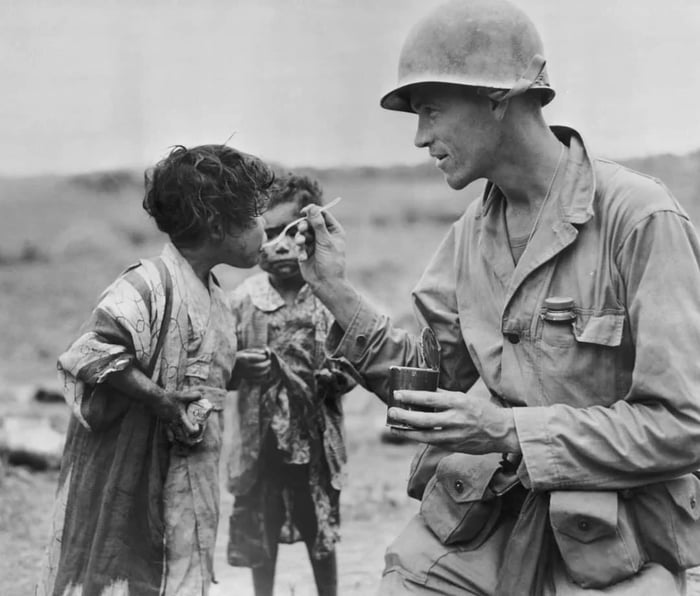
(138, 498)
(286, 474)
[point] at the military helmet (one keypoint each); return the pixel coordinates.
(488, 44)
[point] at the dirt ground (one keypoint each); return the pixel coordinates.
(374, 508)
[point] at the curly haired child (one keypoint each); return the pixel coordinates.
(137, 504)
(287, 474)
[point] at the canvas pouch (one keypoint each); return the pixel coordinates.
(596, 536)
(667, 515)
(461, 502)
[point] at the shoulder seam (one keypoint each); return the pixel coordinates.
(642, 220)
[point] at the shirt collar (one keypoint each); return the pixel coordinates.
(576, 188)
(266, 298)
(198, 296)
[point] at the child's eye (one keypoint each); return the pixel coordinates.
(273, 232)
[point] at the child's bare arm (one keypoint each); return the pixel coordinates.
(168, 405)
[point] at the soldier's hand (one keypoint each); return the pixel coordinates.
(459, 423)
(321, 238)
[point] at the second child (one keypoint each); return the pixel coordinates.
(287, 473)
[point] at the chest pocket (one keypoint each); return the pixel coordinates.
(582, 359)
(604, 330)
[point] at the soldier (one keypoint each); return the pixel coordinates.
(561, 453)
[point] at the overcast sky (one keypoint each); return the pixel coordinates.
(95, 84)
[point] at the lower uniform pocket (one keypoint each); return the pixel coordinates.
(596, 537)
(459, 505)
(668, 517)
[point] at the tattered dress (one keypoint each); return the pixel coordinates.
(126, 478)
(288, 414)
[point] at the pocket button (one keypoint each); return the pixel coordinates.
(513, 338)
(583, 525)
(459, 487)
(693, 502)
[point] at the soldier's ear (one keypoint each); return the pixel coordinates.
(499, 108)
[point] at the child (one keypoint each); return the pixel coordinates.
(287, 474)
(138, 498)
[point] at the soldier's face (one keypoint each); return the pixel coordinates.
(459, 130)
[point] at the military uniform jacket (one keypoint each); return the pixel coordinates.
(610, 402)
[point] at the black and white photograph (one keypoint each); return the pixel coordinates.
(324, 297)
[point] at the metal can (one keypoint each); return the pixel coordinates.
(559, 309)
(414, 379)
(198, 411)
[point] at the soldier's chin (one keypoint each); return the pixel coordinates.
(455, 181)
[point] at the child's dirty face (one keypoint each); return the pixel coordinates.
(242, 246)
(281, 259)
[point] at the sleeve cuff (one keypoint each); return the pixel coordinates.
(115, 364)
(353, 343)
(538, 469)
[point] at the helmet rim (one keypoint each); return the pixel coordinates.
(398, 98)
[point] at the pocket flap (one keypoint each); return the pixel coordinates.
(423, 467)
(466, 477)
(685, 494)
(584, 515)
(198, 368)
(604, 330)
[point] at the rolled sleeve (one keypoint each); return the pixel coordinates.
(91, 358)
(536, 446)
(353, 343)
(371, 344)
(117, 364)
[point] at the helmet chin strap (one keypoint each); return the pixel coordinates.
(500, 107)
(526, 80)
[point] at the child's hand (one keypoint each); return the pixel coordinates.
(331, 382)
(172, 407)
(324, 377)
(215, 395)
(253, 364)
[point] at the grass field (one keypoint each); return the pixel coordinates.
(63, 241)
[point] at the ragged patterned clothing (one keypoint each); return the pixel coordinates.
(180, 483)
(303, 421)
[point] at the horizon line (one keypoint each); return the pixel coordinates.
(132, 169)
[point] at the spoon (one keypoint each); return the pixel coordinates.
(277, 239)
